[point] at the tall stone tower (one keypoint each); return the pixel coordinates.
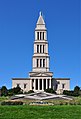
(40, 77)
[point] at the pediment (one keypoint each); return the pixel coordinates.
(39, 74)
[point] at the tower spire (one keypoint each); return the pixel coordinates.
(40, 13)
(40, 19)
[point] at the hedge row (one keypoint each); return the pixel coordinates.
(50, 90)
(12, 103)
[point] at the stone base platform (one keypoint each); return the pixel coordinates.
(40, 96)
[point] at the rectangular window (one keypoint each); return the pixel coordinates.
(37, 48)
(37, 62)
(24, 86)
(43, 62)
(43, 48)
(37, 35)
(18, 85)
(43, 35)
(40, 62)
(40, 35)
(56, 86)
(63, 86)
(40, 48)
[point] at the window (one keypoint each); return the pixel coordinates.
(37, 48)
(63, 86)
(43, 62)
(40, 35)
(24, 86)
(37, 35)
(40, 62)
(18, 85)
(40, 48)
(43, 35)
(37, 62)
(56, 86)
(43, 48)
(58, 82)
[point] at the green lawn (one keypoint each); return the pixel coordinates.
(40, 112)
(3, 98)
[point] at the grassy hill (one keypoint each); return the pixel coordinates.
(71, 111)
(40, 112)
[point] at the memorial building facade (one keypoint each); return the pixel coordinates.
(41, 78)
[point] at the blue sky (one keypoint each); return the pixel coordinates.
(17, 23)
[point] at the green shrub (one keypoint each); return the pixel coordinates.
(72, 102)
(70, 93)
(12, 103)
(30, 91)
(50, 90)
(13, 91)
(76, 92)
(25, 92)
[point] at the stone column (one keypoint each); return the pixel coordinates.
(46, 84)
(38, 84)
(30, 84)
(42, 84)
(34, 84)
(49, 83)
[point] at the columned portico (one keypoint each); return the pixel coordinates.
(40, 84)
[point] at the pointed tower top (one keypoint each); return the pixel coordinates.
(40, 19)
(40, 13)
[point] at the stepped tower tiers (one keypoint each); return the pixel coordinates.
(40, 77)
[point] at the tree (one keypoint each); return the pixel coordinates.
(76, 90)
(15, 90)
(0, 91)
(4, 91)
